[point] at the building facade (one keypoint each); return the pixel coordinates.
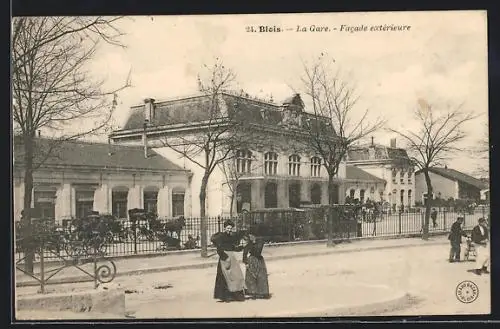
(271, 169)
(393, 165)
(81, 177)
(363, 186)
(449, 184)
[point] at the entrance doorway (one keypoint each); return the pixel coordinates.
(294, 195)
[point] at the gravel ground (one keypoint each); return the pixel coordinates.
(423, 272)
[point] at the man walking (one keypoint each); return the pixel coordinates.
(480, 238)
(434, 217)
(455, 238)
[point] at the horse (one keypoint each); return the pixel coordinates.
(175, 226)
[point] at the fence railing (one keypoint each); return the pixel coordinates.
(43, 240)
(150, 235)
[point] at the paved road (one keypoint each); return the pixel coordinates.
(421, 271)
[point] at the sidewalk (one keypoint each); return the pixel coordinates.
(180, 261)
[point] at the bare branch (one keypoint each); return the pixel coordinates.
(335, 126)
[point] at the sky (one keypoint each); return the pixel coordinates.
(442, 58)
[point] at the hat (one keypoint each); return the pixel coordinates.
(228, 223)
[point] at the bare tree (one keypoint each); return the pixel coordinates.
(52, 87)
(482, 152)
(218, 137)
(335, 126)
(437, 136)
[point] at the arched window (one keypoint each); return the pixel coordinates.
(402, 196)
(243, 196)
(352, 192)
(315, 167)
(409, 198)
(394, 174)
(270, 163)
(150, 197)
(402, 176)
(119, 197)
(316, 194)
(362, 196)
(271, 195)
(243, 161)
(294, 165)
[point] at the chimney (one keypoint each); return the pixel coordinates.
(393, 142)
(149, 108)
(145, 138)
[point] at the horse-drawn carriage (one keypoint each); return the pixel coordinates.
(147, 226)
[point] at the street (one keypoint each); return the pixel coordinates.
(314, 286)
(423, 272)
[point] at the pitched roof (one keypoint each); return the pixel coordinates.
(238, 107)
(380, 153)
(458, 176)
(89, 154)
(355, 173)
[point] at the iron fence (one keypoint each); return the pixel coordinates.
(83, 251)
(148, 234)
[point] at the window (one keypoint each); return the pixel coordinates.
(409, 198)
(177, 204)
(402, 177)
(294, 165)
(119, 203)
(402, 196)
(84, 202)
(315, 166)
(45, 202)
(362, 196)
(151, 200)
(243, 161)
(410, 174)
(270, 163)
(316, 194)
(352, 192)
(394, 174)
(271, 195)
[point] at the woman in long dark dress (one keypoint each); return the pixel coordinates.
(229, 282)
(256, 280)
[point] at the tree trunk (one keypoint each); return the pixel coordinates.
(331, 201)
(231, 205)
(428, 204)
(332, 191)
(28, 190)
(203, 219)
